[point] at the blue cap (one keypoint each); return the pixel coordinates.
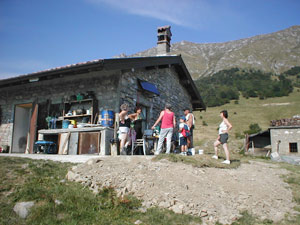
(183, 118)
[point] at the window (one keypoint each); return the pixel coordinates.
(293, 147)
(149, 87)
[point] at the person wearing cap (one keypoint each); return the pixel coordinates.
(190, 121)
(182, 139)
(168, 122)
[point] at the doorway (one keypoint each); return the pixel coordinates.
(21, 127)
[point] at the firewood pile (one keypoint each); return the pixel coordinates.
(295, 121)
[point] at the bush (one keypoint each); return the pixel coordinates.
(253, 129)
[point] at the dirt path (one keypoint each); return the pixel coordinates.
(214, 194)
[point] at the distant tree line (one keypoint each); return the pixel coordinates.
(227, 85)
(294, 75)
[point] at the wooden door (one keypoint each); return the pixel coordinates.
(33, 127)
(89, 142)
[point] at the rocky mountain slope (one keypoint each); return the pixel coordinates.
(275, 52)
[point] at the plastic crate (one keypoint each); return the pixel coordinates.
(46, 147)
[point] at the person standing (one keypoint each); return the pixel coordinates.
(182, 139)
(168, 122)
(124, 126)
(224, 128)
(137, 120)
(190, 121)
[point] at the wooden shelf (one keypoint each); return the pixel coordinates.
(85, 104)
(83, 115)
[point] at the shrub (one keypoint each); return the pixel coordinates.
(253, 128)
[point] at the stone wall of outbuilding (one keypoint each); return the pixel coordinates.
(282, 137)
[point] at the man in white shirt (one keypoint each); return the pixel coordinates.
(190, 121)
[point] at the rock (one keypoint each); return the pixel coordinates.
(98, 160)
(72, 176)
(138, 222)
(58, 202)
(142, 209)
(74, 168)
(177, 208)
(22, 208)
(203, 214)
(164, 204)
(90, 162)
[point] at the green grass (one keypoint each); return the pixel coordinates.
(248, 111)
(204, 160)
(44, 183)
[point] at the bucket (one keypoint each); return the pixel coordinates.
(193, 151)
(107, 118)
(65, 124)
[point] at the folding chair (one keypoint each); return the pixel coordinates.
(141, 142)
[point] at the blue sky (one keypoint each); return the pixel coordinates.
(41, 34)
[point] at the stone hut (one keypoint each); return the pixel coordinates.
(285, 136)
(27, 101)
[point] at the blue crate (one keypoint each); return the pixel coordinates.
(46, 147)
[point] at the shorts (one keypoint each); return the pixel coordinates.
(123, 136)
(223, 138)
(123, 131)
(182, 141)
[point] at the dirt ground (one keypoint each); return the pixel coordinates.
(211, 193)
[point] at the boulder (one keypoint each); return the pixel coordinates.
(22, 208)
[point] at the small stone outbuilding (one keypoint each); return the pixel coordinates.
(285, 136)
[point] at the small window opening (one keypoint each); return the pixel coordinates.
(293, 147)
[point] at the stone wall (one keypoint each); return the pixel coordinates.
(111, 88)
(285, 135)
(104, 84)
(167, 83)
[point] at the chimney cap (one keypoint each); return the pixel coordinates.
(164, 27)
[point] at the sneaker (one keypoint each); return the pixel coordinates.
(226, 162)
(215, 157)
(123, 152)
(156, 153)
(183, 153)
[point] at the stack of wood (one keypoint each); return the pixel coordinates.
(295, 121)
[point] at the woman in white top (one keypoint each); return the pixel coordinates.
(224, 128)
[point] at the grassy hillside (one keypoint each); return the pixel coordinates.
(241, 115)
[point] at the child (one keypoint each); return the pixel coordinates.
(182, 139)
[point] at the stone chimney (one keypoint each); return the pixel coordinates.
(163, 40)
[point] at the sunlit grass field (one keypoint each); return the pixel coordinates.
(241, 115)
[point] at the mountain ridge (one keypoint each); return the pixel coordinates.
(273, 52)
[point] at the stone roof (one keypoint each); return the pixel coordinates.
(294, 122)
